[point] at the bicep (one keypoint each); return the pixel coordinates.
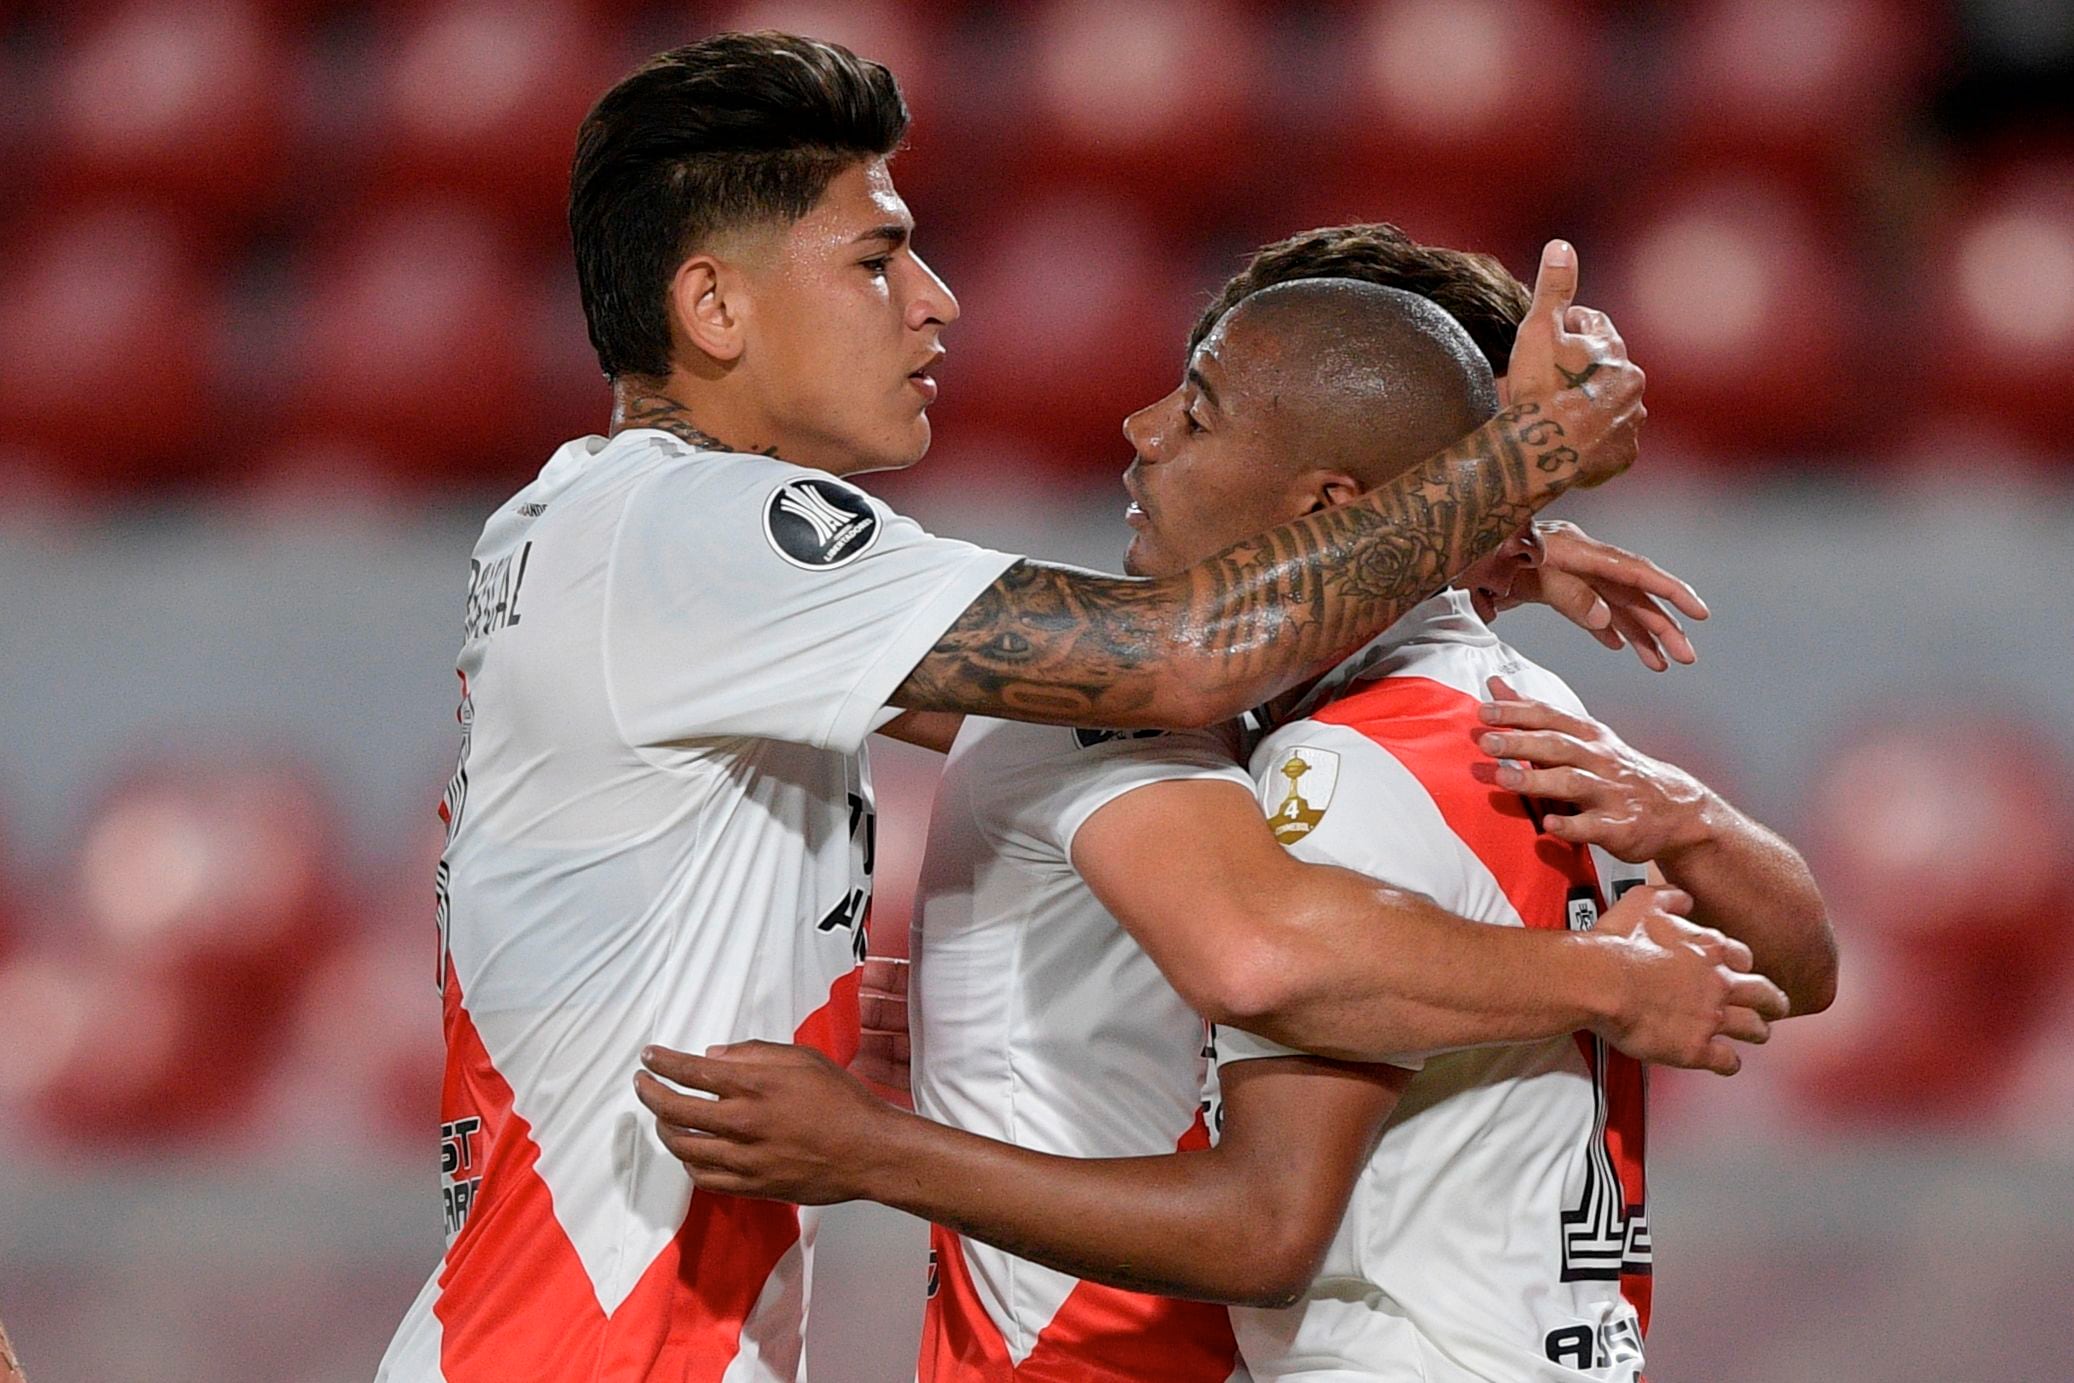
(1311, 1124)
(1060, 646)
(1180, 864)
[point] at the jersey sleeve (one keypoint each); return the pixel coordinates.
(745, 596)
(1333, 796)
(1038, 802)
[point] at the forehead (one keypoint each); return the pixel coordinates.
(1240, 352)
(858, 200)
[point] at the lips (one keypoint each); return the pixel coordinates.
(1137, 514)
(925, 383)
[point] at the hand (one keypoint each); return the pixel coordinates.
(10, 1367)
(1612, 594)
(1579, 395)
(1633, 807)
(882, 1046)
(1688, 996)
(786, 1123)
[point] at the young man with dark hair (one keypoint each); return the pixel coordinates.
(1042, 1021)
(677, 638)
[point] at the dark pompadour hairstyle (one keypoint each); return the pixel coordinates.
(728, 131)
(1474, 289)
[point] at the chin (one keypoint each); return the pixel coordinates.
(896, 453)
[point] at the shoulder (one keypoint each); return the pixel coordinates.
(808, 518)
(1004, 746)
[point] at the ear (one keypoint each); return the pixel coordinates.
(1329, 490)
(708, 305)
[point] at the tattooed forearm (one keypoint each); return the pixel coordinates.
(633, 407)
(1072, 647)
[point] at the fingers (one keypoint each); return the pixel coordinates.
(885, 1013)
(1516, 712)
(885, 975)
(1759, 995)
(1542, 748)
(1745, 1025)
(1555, 284)
(696, 1072)
(1663, 898)
(1573, 598)
(1640, 639)
(679, 1110)
(1590, 828)
(1646, 624)
(1568, 548)
(1734, 954)
(1722, 1057)
(1556, 784)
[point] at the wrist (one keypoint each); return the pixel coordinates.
(890, 1149)
(1699, 830)
(1597, 983)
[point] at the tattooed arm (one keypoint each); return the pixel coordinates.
(1056, 644)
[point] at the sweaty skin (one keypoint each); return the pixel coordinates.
(1227, 1225)
(813, 342)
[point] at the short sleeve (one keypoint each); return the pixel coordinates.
(1333, 796)
(1039, 785)
(745, 596)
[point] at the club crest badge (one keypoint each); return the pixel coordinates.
(819, 524)
(1297, 789)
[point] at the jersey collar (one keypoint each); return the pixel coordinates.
(1445, 618)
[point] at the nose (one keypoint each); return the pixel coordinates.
(1526, 547)
(1148, 429)
(933, 300)
(1533, 548)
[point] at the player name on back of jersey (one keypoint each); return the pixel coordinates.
(493, 593)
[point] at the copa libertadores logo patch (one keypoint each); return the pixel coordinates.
(819, 524)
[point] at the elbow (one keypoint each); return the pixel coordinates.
(1273, 1294)
(1246, 983)
(1185, 706)
(1282, 1269)
(1817, 988)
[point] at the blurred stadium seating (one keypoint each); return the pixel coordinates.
(295, 207)
(300, 267)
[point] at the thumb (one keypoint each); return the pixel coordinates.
(1555, 286)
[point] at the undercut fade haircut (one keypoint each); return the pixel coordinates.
(1475, 289)
(730, 131)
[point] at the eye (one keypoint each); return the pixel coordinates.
(877, 265)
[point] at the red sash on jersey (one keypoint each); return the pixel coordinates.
(515, 1303)
(1432, 729)
(1099, 1335)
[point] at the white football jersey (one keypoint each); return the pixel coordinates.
(659, 830)
(1498, 1232)
(1039, 1021)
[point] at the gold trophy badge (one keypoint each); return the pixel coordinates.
(1295, 817)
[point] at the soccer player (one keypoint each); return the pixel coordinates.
(678, 636)
(1091, 1052)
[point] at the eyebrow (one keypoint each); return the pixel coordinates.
(893, 233)
(1195, 377)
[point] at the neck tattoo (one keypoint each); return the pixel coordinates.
(665, 414)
